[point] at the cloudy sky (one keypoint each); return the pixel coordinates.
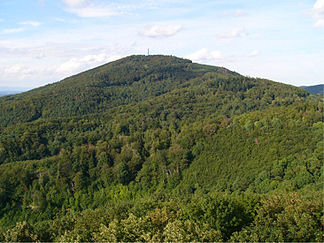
(43, 41)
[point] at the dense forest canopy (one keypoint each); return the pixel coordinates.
(157, 148)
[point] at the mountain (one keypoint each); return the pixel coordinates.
(4, 93)
(315, 89)
(131, 80)
(4, 90)
(157, 148)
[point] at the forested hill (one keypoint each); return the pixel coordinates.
(157, 148)
(134, 79)
(315, 89)
(131, 79)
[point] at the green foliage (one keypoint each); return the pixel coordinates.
(285, 218)
(160, 149)
(225, 213)
(22, 232)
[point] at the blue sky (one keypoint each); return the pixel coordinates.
(44, 41)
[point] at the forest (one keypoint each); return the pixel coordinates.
(157, 148)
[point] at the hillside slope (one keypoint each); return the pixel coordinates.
(128, 80)
(161, 149)
(131, 80)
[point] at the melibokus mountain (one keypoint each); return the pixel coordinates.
(157, 148)
(134, 79)
(131, 79)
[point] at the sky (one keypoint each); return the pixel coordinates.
(44, 41)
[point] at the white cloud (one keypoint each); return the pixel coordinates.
(74, 3)
(19, 71)
(234, 13)
(319, 23)
(254, 53)
(10, 31)
(93, 12)
(319, 5)
(318, 13)
(59, 19)
(234, 34)
(69, 66)
(160, 31)
(19, 75)
(105, 8)
(92, 9)
(13, 69)
(205, 55)
(78, 64)
(32, 23)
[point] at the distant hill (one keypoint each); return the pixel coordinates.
(4, 93)
(315, 89)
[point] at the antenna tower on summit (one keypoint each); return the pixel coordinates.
(148, 51)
